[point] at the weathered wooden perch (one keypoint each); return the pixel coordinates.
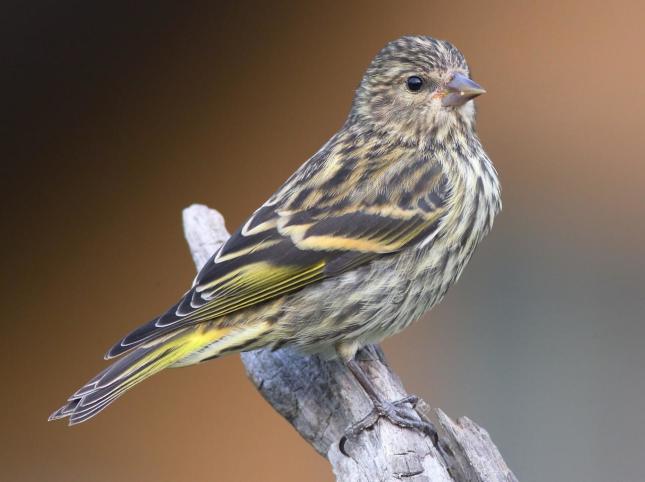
(321, 399)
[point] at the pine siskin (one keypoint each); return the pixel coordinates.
(362, 239)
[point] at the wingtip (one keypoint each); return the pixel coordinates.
(131, 340)
(117, 350)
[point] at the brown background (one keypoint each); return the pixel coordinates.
(117, 116)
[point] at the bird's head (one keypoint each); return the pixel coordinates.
(416, 85)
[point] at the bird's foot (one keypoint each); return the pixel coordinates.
(397, 413)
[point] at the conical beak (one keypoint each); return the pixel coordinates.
(460, 90)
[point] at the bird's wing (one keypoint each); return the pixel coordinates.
(281, 249)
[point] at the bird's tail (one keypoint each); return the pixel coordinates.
(177, 349)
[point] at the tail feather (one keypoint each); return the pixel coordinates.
(133, 368)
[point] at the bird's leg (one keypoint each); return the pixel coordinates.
(396, 412)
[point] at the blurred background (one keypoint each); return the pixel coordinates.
(116, 115)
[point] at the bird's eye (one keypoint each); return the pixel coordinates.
(414, 83)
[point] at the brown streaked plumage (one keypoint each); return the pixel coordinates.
(361, 240)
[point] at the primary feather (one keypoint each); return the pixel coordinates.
(296, 239)
(362, 239)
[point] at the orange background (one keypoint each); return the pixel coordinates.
(117, 116)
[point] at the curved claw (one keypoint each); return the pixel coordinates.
(394, 412)
(365, 423)
(341, 445)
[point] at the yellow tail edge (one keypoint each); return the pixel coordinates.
(136, 366)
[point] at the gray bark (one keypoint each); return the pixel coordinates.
(321, 399)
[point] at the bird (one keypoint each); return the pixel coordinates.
(361, 240)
